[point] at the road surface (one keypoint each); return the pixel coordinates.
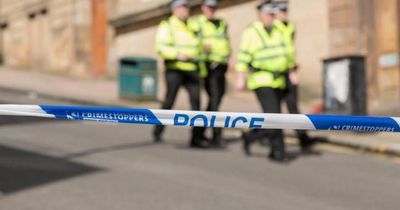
(49, 164)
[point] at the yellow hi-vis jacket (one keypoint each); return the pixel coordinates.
(264, 56)
(288, 30)
(175, 37)
(215, 36)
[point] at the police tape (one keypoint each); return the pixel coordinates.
(207, 119)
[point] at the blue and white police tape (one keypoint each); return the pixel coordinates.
(207, 119)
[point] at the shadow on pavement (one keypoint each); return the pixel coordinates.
(292, 150)
(133, 145)
(292, 153)
(21, 169)
(15, 120)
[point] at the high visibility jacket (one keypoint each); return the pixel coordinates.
(175, 37)
(264, 56)
(215, 35)
(288, 30)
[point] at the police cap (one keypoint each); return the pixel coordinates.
(267, 7)
(210, 3)
(177, 3)
(282, 5)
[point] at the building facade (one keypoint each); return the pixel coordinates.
(49, 35)
(370, 28)
(85, 38)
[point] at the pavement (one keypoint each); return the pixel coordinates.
(104, 92)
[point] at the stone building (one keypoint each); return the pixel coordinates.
(85, 38)
(370, 28)
(47, 35)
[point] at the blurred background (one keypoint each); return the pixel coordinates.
(101, 52)
(86, 38)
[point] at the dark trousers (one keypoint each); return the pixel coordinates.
(291, 99)
(174, 80)
(270, 100)
(215, 87)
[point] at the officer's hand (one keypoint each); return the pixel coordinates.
(294, 77)
(207, 48)
(182, 57)
(241, 82)
(231, 65)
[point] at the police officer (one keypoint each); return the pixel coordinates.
(263, 61)
(179, 46)
(213, 34)
(291, 95)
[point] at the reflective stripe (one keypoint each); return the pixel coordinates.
(213, 35)
(268, 57)
(245, 52)
(268, 47)
(178, 45)
(265, 56)
(181, 66)
(288, 31)
(217, 58)
(242, 62)
(178, 39)
(269, 51)
(221, 36)
(260, 36)
(185, 46)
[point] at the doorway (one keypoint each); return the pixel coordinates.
(3, 26)
(38, 29)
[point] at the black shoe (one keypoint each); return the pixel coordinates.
(218, 143)
(319, 139)
(277, 156)
(199, 143)
(246, 144)
(307, 145)
(157, 139)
